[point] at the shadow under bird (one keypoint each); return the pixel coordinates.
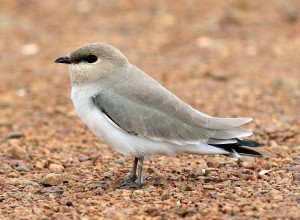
(137, 116)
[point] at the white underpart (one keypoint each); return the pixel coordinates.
(125, 143)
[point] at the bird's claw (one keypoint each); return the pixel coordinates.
(131, 185)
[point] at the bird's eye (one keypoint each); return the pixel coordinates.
(91, 58)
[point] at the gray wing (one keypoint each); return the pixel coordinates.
(141, 106)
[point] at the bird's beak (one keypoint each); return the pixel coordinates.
(64, 59)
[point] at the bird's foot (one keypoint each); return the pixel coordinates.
(131, 185)
(131, 179)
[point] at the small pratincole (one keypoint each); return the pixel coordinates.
(137, 116)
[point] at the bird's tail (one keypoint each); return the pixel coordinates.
(241, 148)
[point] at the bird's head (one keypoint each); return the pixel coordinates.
(93, 62)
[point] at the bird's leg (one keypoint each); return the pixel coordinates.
(132, 177)
(138, 163)
(140, 169)
(133, 174)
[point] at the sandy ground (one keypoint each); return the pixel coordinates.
(225, 58)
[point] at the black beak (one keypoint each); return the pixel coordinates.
(64, 59)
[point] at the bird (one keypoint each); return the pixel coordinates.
(138, 117)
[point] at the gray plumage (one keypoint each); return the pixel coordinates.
(141, 106)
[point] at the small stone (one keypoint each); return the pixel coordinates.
(161, 182)
(69, 203)
(14, 135)
(5, 167)
(23, 168)
(51, 191)
(292, 168)
(82, 159)
(141, 192)
(13, 175)
(165, 196)
(296, 176)
(52, 196)
(18, 153)
(21, 92)
(56, 168)
(188, 188)
(208, 187)
(4, 122)
(30, 49)
(212, 164)
(40, 164)
(107, 175)
(277, 197)
(120, 161)
(206, 172)
(53, 179)
(23, 182)
(247, 165)
(127, 198)
(251, 160)
(263, 172)
(36, 210)
(152, 188)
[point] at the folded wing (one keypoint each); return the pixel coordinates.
(143, 107)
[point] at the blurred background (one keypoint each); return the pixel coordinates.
(225, 58)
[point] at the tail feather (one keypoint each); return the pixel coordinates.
(242, 147)
(226, 123)
(237, 132)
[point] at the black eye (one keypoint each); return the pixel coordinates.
(91, 58)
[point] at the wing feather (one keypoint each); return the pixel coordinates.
(140, 105)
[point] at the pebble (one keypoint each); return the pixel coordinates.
(30, 49)
(292, 168)
(53, 179)
(13, 175)
(14, 135)
(208, 187)
(69, 203)
(56, 168)
(263, 172)
(4, 122)
(107, 175)
(40, 165)
(297, 176)
(23, 168)
(247, 165)
(212, 164)
(18, 153)
(277, 197)
(206, 172)
(51, 191)
(120, 161)
(23, 182)
(152, 188)
(82, 159)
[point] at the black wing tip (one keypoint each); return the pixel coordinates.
(248, 143)
(243, 151)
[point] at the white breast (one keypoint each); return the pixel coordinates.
(123, 142)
